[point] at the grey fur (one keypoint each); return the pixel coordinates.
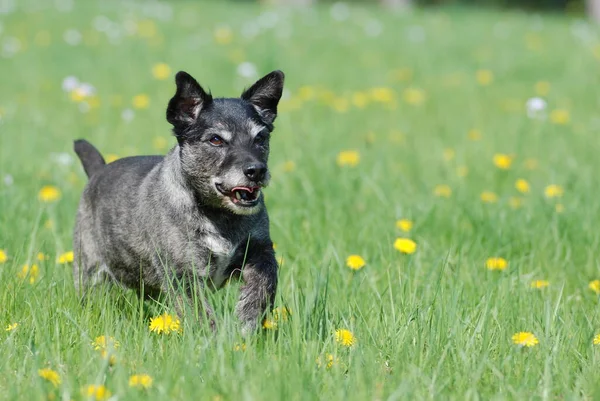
(173, 224)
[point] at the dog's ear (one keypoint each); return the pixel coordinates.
(188, 101)
(264, 95)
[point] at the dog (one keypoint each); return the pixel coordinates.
(185, 223)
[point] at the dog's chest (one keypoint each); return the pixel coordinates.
(221, 252)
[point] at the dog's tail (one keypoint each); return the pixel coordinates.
(90, 157)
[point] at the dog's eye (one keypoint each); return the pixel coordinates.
(260, 139)
(216, 140)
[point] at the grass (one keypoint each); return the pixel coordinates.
(435, 324)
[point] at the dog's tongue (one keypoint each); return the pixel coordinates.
(243, 189)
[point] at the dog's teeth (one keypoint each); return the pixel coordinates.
(238, 196)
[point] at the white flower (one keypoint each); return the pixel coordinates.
(101, 23)
(373, 28)
(72, 37)
(250, 29)
(536, 107)
(10, 47)
(70, 83)
(247, 70)
(339, 11)
(8, 180)
(86, 89)
(64, 6)
(7, 6)
(63, 158)
(127, 115)
(268, 19)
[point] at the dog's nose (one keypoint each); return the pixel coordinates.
(255, 171)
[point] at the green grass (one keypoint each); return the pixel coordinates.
(432, 325)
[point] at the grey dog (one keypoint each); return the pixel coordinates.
(185, 223)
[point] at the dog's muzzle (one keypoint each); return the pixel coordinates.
(241, 196)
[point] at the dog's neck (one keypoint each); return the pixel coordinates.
(180, 191)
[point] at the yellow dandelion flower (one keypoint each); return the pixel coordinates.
(553, 191)
(462, 171)
(49, 193)
(345, 337)
(355, 262)
(525, 339)
(522, 186)
(542, 88)
(11, 327)
(289, 166)
(404, 225)
(414, 96)
(111, 157)
(96, 392)
(360, 99)
(239, 347)
(596, 340)
(140, 381)
(109, 356)
(50, 375)
(281, 314)
(146, 28)
(502, 161)
(442, 191)
(382, 95)
(161, 71)
(448, 154)
(141, 101)
(269, 324)
(515, 202)
(405, 245)
(484, 77)
(31, 273)
(160, 143)
(165, 323)
(496, 263)
(41, 257)
(340, 104)
(489, 197)
(329, 360)
(66, 257)
(306, 93)
(78, 95)
(540, 284)
(3, 256)
(595, 286)
(223, 35)
(559, 208)
(474, 135)
(105, 342)
(560, 116)
(348, 158)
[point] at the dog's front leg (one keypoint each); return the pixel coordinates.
(260, 284)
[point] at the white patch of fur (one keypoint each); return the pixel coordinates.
(254, 129)
(226, 135)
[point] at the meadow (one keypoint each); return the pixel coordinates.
(433, 201)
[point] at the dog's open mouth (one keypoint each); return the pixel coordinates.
(241, 196)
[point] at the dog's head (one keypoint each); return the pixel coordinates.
(224, 143)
